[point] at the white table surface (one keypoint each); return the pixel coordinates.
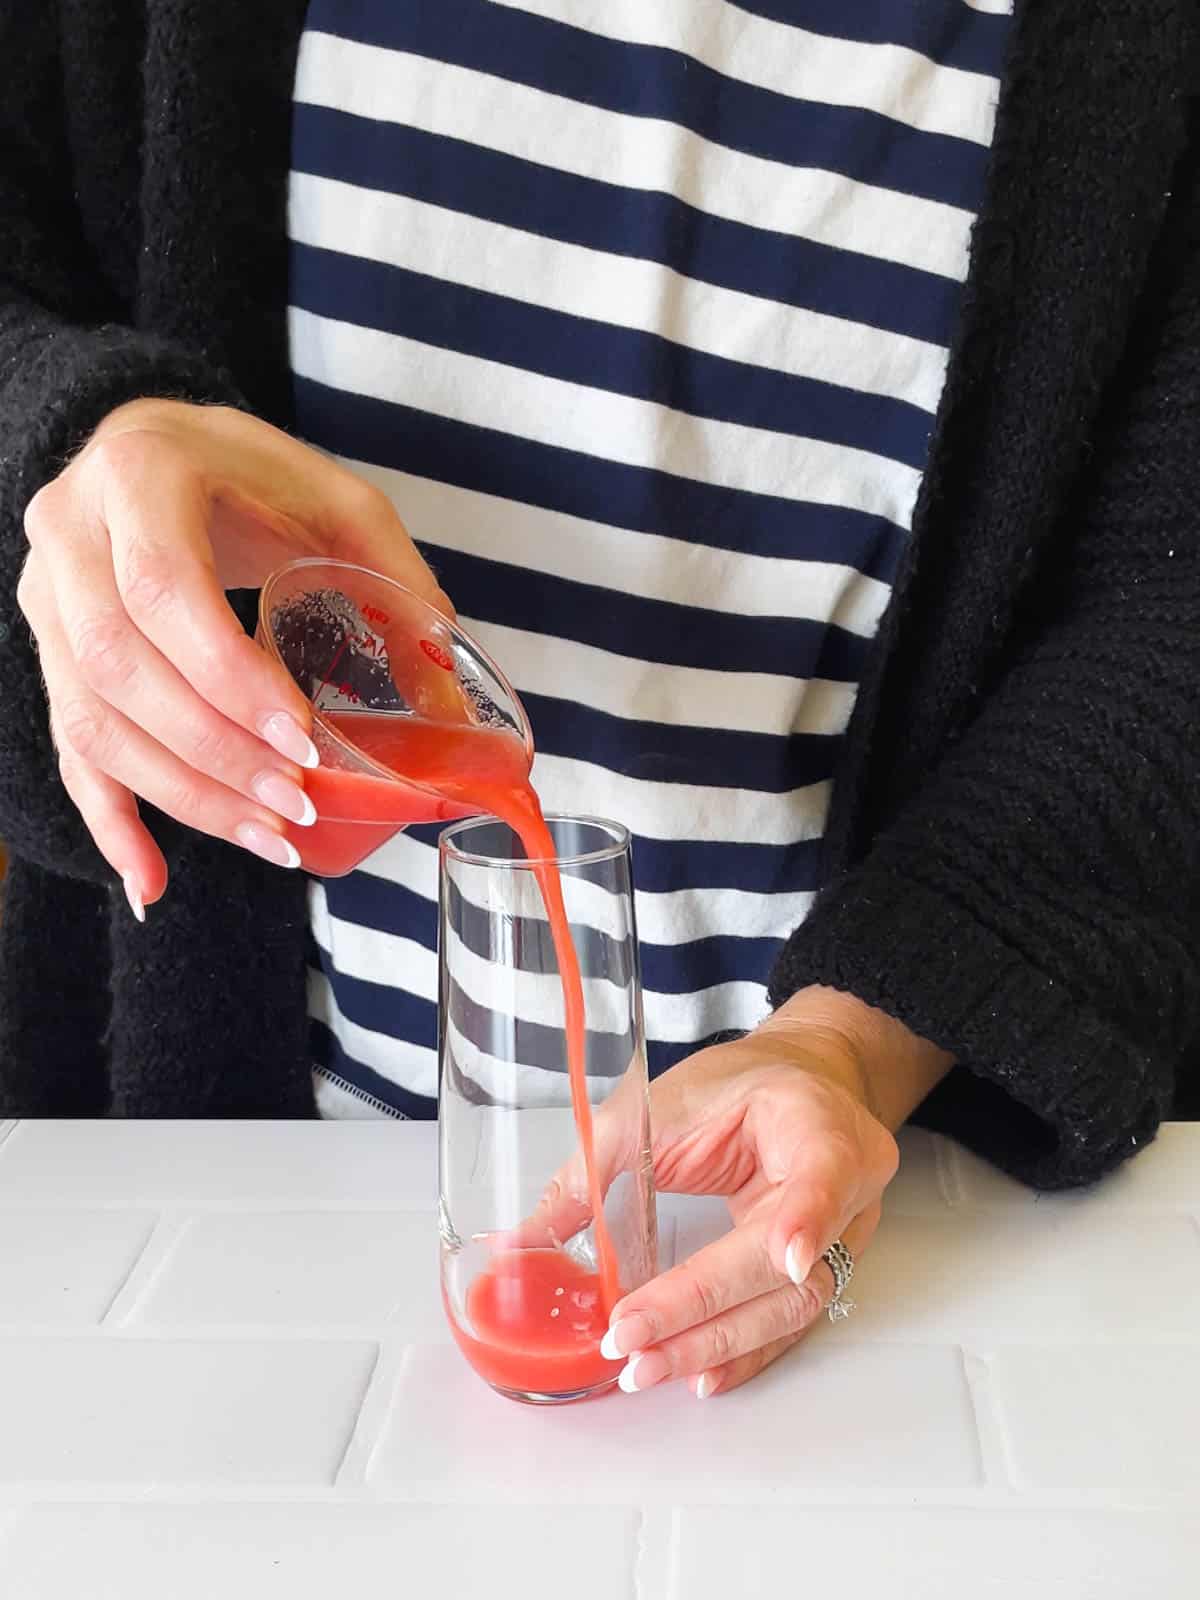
(224, 1372)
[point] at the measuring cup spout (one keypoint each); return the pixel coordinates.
(408, 710)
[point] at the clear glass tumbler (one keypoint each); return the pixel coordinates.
(521, 1257)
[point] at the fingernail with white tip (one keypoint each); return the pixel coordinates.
(283, 733)
(794, 1263)
(277, 791)
(133, 894)
(628, 1379)
(704, 1386)
(267, 844)
(608, 1345)
(631, 1331)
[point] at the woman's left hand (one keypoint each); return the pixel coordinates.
(778, 1123)
(791, 1124)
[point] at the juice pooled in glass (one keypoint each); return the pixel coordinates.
(543, 1077)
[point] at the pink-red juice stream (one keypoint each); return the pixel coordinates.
(463, 769)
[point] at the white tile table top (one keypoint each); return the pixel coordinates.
(226, 1371)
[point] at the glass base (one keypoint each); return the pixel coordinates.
(529, 1397)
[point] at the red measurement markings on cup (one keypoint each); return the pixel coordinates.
(337, 656)
(369, 643)
(439, 657)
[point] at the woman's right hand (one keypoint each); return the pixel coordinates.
(155, 690)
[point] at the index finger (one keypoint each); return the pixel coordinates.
(751, 1260)
(723, 1274)
(172, 594)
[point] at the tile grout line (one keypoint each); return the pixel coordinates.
(15, 1499)
(168, 1228)
(638, 1576)
(995, 1464)
(674, 1554)
(655, 1558)
(370, 1421)
(359, 1411)
(946, 1167)
(215, 1334)
(119, 1290)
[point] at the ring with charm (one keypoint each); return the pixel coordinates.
(841, 1263)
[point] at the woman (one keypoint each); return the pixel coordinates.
(666, 331)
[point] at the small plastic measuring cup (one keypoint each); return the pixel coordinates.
(407, 708)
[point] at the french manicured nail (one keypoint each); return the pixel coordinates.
(283, 733)
(628, 1379)
(268, 844)
(626, 1335)
(705, 1385)
(797, 1270)
(643, 1370)
(280, 794)
(133, 894)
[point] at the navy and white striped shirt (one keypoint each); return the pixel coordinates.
(639, 310)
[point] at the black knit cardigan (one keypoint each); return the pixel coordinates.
(1014, 846)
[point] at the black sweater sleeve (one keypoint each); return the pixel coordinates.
(1035, 909)
(68, 356)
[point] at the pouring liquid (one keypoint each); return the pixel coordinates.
(530, 1337)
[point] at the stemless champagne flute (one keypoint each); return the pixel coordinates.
(522, 1273)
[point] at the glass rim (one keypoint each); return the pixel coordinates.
(524, 731)
(619, 838)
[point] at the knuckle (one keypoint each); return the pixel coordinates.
(42, 514)
(704, 1300)
(84, 729)
(841, 1149)
(119, 453)
(759, 1360)
(102, 649)
(823, 1201)
(68, 767)
(834, 1197)
(110, 459)
(807, 1303)
(183, 799)
(148, 586)
(366, 502)
(146, 412)
(224, 665)
(27, 595)
(220, 416)
(116, 462)
(211, 748)
(888, 1156)
(719, 1345)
